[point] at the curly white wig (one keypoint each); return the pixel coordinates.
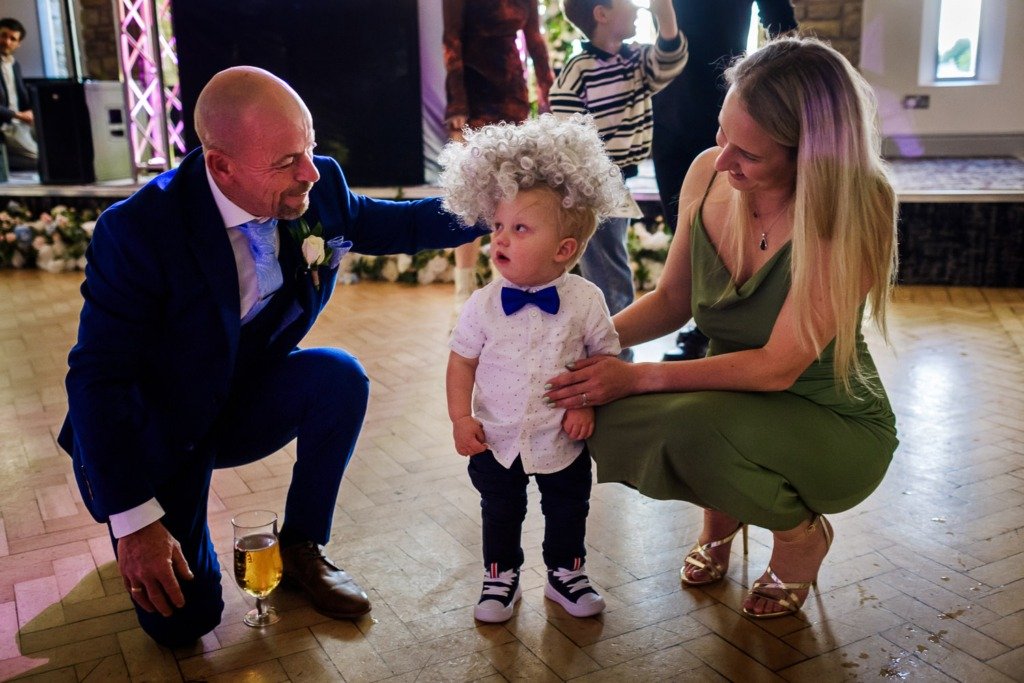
(497, 161)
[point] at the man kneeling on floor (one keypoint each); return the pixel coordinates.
(197, 290)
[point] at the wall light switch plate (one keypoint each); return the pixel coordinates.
(916, 101)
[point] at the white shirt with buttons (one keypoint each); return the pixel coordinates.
(517, 354)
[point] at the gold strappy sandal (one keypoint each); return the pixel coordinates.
(700, 558)
(792, 603)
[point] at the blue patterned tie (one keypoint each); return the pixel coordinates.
(268, 270)
(513, 299)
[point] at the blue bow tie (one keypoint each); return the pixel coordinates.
(513, 299)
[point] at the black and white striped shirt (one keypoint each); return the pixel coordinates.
(617, 90)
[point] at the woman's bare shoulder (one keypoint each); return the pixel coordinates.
(702, 170)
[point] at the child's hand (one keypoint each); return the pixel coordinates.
(578, 423)
(543, 104)
(659, 8)
(455, 126)
(469, 436)
(665, 16)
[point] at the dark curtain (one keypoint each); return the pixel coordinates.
(354, 62)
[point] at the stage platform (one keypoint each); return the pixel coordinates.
(26, 185)
(961, 219)
(938, 180)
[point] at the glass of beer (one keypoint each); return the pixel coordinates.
(257, 562)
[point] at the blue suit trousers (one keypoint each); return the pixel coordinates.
(318, 396)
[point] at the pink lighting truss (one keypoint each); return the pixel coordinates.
(149, 62)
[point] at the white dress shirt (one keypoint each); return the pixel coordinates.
(517, 354)
(7, 73)
(130, 521)
(235, 216)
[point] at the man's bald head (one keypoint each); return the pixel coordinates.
(258, 142)
(240, 99)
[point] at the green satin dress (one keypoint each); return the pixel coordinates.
(767, 458)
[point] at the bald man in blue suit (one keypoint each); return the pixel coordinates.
(187, 355)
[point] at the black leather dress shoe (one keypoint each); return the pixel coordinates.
(329, 587)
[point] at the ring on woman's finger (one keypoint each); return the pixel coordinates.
(136, 589)
(583, 399)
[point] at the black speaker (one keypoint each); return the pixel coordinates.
(64, 132)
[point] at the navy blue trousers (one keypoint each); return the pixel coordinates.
(564, 501)
(316, 395)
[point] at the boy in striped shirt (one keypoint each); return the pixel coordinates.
(615, 83)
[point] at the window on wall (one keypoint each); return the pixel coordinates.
(959, 31)
(963, 41)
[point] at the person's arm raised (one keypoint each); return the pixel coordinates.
(665, 15)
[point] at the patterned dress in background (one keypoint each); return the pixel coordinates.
(486, 81)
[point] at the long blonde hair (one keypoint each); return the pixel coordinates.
(808, 97)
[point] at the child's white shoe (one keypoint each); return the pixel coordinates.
(571, 589)
(499, 595)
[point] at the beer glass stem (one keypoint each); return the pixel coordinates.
(261, 610)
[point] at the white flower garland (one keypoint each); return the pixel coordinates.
(57, 239)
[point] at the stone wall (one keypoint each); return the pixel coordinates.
(97, 39)
(836, 21)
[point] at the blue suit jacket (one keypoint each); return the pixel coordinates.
(159, 330)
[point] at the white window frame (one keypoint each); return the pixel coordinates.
(991, 40)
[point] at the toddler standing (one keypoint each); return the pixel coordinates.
(542, 186)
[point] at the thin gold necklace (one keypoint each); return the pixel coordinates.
(763, 244)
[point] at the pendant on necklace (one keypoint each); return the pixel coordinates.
(763, 244)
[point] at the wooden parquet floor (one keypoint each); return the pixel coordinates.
(925, 580)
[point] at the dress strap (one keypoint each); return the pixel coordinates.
(698, 216)
(707, 190)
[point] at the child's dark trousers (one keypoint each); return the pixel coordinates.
(565, 503)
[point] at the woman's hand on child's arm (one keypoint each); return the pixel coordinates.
(469, 435)
(578, 423)
(591, 381)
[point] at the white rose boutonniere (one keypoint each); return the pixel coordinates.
(315, 251)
